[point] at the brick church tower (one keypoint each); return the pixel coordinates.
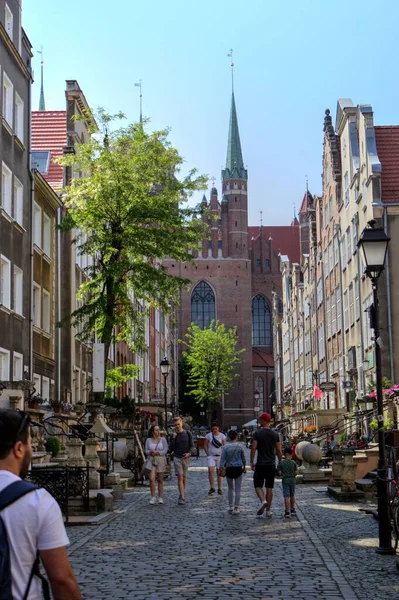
(235, 272)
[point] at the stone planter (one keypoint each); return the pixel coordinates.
(337, 467)
(74, 450)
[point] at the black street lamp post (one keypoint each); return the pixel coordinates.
(257, 407)
(165, 368)
(374, 245)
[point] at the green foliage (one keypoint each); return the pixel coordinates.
(388, 424)
(126, 406)
(129, 210)
(342, 438)
(386, 383)
(211, 358)
(53, 445)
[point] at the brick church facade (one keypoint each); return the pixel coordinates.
(235, 272)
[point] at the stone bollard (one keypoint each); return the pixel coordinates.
(348, 471)
(74, 449)
(337, 467)
(93, 459)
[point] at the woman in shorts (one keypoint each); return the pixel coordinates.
(156, 447)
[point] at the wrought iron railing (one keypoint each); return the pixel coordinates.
(63, 483)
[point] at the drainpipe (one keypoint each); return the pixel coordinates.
(58, 393)
(32, 177)
(338, 231)
(389, 304)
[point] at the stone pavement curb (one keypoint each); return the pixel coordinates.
(346, 590)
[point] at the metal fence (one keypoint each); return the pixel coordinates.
(63, 483)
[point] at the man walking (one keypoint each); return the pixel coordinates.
(180, 447)
(265, 443)
(214, 443)
(30, 522)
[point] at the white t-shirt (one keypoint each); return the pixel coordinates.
(212, 451)
(34, 522)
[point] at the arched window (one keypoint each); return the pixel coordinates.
(202, 305)
(261, 322)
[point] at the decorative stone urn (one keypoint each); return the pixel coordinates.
(312, 455)
(74, 450)
(299, 448)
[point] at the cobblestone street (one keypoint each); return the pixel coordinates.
(200, 551)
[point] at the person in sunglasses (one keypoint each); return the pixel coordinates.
(30, 522)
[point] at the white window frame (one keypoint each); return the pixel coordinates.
(37, 225)
(346, 310)
(346, 188)
(37, 382)
(8, 99)
(6, 188)
(333, 315)
(348, 244)
(4, 364)
(5, 282)
(336, 250)
(9, 22)
(37, 305)
(357, 298)
(45, 391)
(351, 305)
(17, 366)
(18, 300)
(46, 311)
(18, 211)
(343, 250)
(46, 234)
(19, 117)
(338, 304)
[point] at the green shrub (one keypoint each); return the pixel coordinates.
(53, 445)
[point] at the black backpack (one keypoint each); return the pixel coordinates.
(8, 496)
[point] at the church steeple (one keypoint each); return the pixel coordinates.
(234, 161)
(42, 104)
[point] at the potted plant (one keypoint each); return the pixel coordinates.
(53, 445)
(56, 405)
(35, 401)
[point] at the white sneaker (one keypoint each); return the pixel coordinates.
(236, 511)
(269, 514)
(160, 500)
(231, 509)
(153, 500)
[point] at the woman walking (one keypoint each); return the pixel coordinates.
(233, 460)
(156, 448)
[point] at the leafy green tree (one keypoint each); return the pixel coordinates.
(212, 357)
(129, 210)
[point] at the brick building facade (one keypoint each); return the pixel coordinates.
(234, 275)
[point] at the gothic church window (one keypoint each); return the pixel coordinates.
(202, 305)
(261, 322)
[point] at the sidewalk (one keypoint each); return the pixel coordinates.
(200, 551)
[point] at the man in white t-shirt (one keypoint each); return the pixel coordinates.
(214, 443)
(34, 521)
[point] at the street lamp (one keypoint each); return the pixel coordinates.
(256, 407)
(374, 245)
(165, 368)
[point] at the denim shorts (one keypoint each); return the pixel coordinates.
(288, 490)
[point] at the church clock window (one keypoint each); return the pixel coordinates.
(261, 322)
(202, 305)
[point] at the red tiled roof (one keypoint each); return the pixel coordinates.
(49, 129)
(285, 239)
(387, 139)
(261, 358)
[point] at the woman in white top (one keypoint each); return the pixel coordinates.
(156, 447)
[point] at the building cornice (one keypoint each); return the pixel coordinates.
(5, 38)
(47, 192)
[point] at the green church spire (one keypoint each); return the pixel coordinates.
(42, 104)
(234, 161)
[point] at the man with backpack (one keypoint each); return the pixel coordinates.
(31, 525)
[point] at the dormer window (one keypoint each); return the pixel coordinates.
(9, 22)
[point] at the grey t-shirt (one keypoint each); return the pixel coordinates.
(267, 440)
(181, 443)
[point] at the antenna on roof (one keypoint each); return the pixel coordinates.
(230, 55)
(307, 184)
(42, 104)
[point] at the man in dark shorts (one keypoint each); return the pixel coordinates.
(266, 443)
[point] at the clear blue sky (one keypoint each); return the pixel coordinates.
(294, 59)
